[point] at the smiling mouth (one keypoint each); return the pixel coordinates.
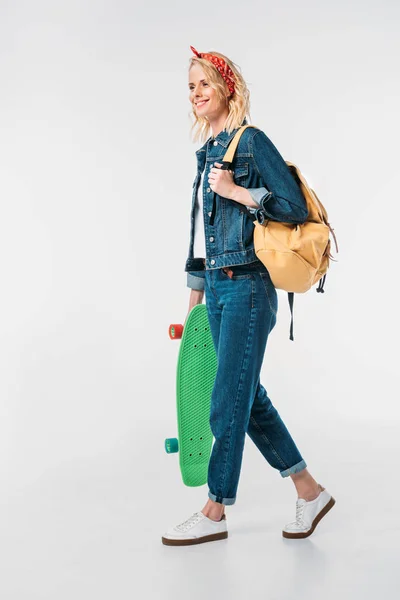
(201, 103)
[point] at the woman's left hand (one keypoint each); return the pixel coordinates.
(221, 181)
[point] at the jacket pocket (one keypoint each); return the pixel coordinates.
(241, 173)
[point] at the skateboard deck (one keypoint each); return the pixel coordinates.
(197, 365)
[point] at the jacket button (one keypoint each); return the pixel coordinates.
(208, 189)
(212, 261)
(215, 143)
(210, 213)
(211, 239)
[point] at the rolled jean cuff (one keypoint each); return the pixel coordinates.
(221, 500)
(295, 469)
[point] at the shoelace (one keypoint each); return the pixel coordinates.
(299, 513)
(195, 518)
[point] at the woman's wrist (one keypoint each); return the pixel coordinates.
(196, 297)
(243, 196)
(196, 293)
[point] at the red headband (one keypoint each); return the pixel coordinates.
(224, 69)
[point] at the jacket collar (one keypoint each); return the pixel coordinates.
(222, 138)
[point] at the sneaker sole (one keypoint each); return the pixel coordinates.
(188, 542)
(304, 534)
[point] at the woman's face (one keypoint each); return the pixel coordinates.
(202, 96)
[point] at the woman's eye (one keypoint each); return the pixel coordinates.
(192, 88)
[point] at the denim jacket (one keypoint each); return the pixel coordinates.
(259, 167)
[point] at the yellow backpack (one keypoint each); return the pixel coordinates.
(297, 256)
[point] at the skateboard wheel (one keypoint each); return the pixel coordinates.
(171, 445)
(175, 331)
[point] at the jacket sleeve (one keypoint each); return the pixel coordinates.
(257, 194)
(283, 200)
(195, 280)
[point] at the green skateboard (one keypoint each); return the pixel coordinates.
(197, 365)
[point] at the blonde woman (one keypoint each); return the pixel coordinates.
(241, 299)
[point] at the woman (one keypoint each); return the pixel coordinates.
(241, 299)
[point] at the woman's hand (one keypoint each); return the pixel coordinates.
(196, 297)
(221, 181)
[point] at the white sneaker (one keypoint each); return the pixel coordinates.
(308, 515)
(195, 530)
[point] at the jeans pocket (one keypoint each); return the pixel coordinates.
(270, 291)
(230, 274)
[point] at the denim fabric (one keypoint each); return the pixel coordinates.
(242, 312)
(259, 167)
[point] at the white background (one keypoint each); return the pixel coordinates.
(96, 167)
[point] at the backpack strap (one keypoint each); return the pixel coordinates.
(321, 284)
(320, 289)
(291, 302)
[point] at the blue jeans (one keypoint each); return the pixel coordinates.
(242, 306)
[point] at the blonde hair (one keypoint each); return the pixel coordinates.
(239, 103)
